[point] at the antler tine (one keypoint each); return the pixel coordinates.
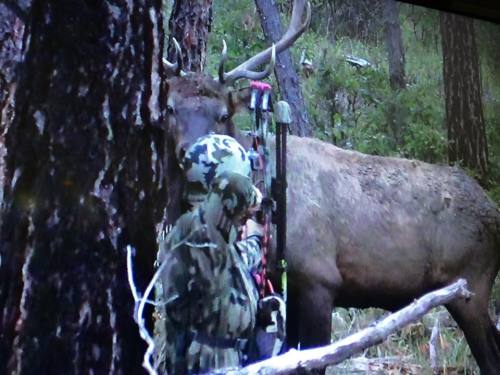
(178, 54)
(223, 58)
(295, 29)
(176, 67)
(256, 75)
(170, 66)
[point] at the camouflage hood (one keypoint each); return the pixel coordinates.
(229, 200)
(207, 158)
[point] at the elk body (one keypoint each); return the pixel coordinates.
(363, 231)
(368, 231)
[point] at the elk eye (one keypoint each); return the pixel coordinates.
(224, 117)
(170, 110)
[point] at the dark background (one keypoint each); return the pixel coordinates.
(484, 9)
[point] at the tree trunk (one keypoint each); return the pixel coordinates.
(11, 34)
(84, 155)
(190, 23)
(286, 75)
(396, 57)
(394, 45)
(463, 95)
(18, 8)
(11, 40)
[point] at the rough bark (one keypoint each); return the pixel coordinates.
(286, 75)
(320, 358)
(396, 58)
(190, 22)
(394, 45)
(11, 33)
(463, 95)
(11, 38)
(84, 157)
(19, 8)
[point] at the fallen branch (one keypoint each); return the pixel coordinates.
(320, 358)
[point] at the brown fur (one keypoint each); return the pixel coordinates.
(199, 104)
(375, 231)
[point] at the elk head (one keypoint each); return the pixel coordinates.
(198, 104)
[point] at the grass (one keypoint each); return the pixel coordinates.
(407, 351)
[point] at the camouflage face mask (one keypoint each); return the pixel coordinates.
(237, 193)
(230, 198)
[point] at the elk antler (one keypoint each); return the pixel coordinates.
(223, 58)
(176, 67)
(248, 74)
(295, 29)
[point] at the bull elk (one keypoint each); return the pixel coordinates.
(362, 230)
(187, 88)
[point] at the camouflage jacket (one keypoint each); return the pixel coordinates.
(209, 295)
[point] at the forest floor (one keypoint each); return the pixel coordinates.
(407, 351)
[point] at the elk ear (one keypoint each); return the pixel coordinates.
(239, 99)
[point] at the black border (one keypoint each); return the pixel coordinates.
(488, 10)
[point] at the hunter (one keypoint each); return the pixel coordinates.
(210, 298)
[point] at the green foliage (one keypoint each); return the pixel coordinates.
(424, 138)
(488, 37)
(357, 101)
(237, 22)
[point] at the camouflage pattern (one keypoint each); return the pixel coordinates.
(210, 299)
(251, 253)
(208, 157)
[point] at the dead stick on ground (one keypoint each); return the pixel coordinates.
(433, 347)
(335, 353)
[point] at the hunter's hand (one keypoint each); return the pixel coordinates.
(252, 228)
(258, 200)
